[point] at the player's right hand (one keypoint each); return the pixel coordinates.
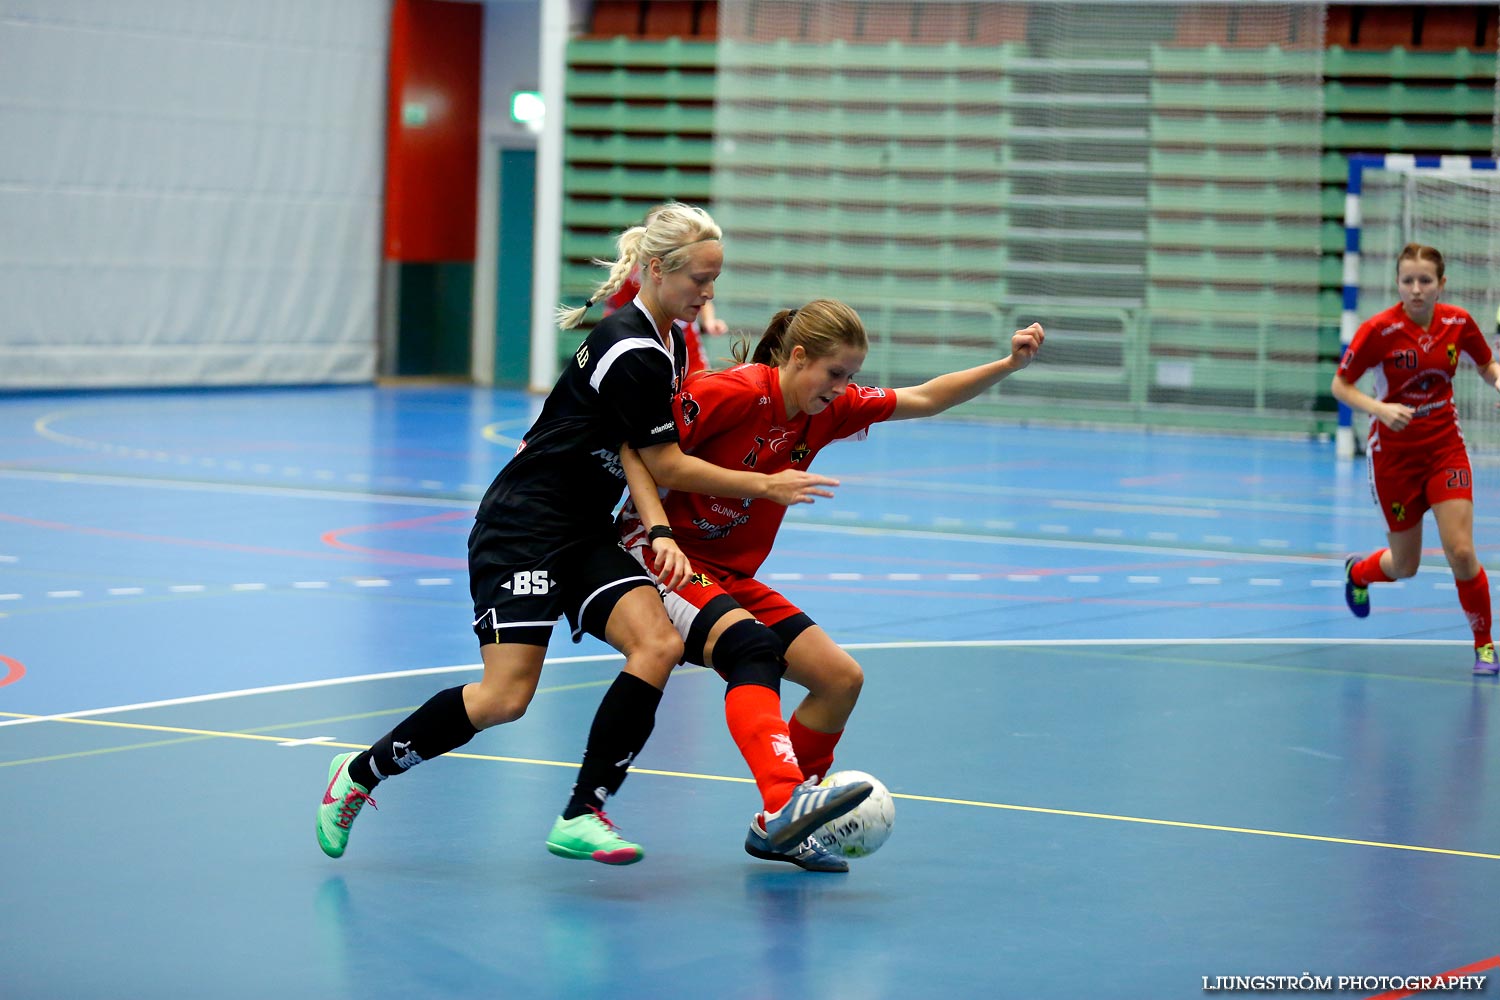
(672, 567)
(1395, 415)
(791, 486)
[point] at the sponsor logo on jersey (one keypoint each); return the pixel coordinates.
(781, 441)
(662, 428)
(690, 408)
(736, 518)
(709, 531)
(610, 460)
(1453, 355)
(800, 452)
(582, 357)
(871, 392)
(1395, 327)
(1418, 391)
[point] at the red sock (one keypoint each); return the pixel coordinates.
(814, 749)
(754, 715)
(1474, 595)
(1368, 571)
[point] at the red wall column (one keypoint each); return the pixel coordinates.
(432, 130)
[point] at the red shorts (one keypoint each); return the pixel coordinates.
(1406, 484)
(698, 604)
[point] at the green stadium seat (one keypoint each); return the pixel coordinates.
(1342, 63)
(640, 84)
(630, 150)
(621, 116)
(1396, 97)
(1206, 60)
(663, 184)
(1265, 131)
(676, 53)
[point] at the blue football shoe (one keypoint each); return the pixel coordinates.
(1357, 597)
(809, 855)
(810, 806)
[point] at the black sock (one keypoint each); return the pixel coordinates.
(621, 727)
(440, 725)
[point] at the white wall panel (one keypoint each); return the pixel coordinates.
(190, 193)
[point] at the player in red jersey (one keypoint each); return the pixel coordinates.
(793, 397)
(1416, 449)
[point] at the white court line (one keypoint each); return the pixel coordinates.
(603, 657)
(278, 688)
(1080, 544)
(360, 496)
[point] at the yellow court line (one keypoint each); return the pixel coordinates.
(491, 432)
(1200, 826)
(1010, 807)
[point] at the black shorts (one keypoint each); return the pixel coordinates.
(521, 586)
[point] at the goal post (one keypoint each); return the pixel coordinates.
(1450, 202)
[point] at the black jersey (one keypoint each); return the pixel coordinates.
(566, 475)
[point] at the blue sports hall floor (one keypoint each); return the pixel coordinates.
(1136, 740)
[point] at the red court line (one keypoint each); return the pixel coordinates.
(13, 670)
(409, 558)
(167, 539)
(1479, 966)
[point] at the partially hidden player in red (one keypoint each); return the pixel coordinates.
(707, 324)
(795, 395)
(1416, 449)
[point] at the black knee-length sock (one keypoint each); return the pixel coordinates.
(621, 727)
(438, 726)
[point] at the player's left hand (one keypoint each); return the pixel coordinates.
(1024, 344)
(716, 327)
(672, 566)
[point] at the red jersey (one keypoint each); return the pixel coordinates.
(1415, 368)
(737, 419)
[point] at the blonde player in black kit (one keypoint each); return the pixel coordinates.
(544, 544)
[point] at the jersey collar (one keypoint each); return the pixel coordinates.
(672, 328)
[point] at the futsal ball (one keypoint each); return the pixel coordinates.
(860, 831)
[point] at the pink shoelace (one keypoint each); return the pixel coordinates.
(597, 812)
(354, 800)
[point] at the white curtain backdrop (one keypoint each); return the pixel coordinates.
(190, 192)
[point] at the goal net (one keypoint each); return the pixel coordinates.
(1141, 177)
(1452, 203)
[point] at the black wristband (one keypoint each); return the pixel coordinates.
(660, 531)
